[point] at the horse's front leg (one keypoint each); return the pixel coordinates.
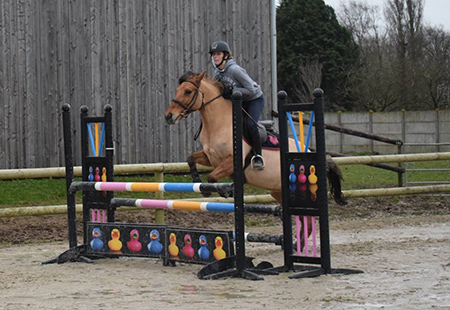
(223, 170)
(194, 159)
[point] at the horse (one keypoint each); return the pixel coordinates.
(197, 92)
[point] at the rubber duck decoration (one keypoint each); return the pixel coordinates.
(134, 245)
(292, 178)
(302, 181)
(301, 175)
(154, 246)
(187, 249)
(173, 248)
(312, 178)
(115, 244)
(218, 252)
(96, 242)
(91, 175)
(203, 251)
(97, 175)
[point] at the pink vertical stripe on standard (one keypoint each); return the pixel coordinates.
(92, 215)
(313, 227)
(153, 203)
(297, 228)
(103, 216)
(99, 219)
(305, 235)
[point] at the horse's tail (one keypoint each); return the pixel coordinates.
(334, 179)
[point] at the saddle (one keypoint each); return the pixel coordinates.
(268, 135)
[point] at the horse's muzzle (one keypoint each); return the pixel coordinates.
(169, 119)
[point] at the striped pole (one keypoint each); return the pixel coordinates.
(174, 205)
(226, 207)
(226, 188)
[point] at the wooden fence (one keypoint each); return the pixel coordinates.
(125, 53)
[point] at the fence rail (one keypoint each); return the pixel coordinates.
(159, 169)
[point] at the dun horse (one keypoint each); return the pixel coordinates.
(200, 93)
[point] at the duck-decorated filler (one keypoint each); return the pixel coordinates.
(159, 241)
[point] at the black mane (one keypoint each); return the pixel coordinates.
(187, 76)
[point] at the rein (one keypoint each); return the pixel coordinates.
(188, 109)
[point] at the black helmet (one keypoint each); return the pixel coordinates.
(219, 46)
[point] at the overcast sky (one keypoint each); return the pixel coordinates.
(436, 12)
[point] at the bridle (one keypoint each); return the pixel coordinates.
(188, 109)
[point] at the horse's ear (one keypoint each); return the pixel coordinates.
(200, 77)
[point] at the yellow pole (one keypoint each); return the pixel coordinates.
(300, 125)
(96, 139)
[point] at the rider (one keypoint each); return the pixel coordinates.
(234, 77)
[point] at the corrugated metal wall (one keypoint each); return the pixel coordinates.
(125, 53)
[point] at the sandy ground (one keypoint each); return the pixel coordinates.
(406, 264)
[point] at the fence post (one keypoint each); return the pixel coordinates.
(401, 150)
(371, 129)
(438, 138)
(341, 136)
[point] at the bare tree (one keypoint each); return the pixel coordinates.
(371, 82)
(310, 77)
(436, 65)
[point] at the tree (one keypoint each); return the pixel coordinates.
(308, 31)
(405, 27)
(402, 64)
(436, 67)
(371, 80)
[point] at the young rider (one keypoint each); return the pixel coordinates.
(234, 77)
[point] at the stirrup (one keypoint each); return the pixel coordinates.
(257, 166)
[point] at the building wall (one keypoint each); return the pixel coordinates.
(129, 54)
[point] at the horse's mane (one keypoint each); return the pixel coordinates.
(189, 74)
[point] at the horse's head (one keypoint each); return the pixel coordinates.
(188, 98)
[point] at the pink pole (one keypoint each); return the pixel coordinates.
(313, 227)
(305, 229)
(297, 228)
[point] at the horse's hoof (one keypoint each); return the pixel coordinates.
(225, 194)
(206, 195)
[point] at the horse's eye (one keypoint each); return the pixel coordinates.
(188, 92)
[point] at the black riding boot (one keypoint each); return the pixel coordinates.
(257, 161)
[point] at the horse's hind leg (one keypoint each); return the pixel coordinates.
(309, 219)
(194, 159)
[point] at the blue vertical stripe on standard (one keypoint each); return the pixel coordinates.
(220, 207)
(294, 133)
(308, 136)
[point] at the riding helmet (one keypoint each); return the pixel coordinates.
(220, 46)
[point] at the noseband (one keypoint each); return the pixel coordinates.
(188, 109)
